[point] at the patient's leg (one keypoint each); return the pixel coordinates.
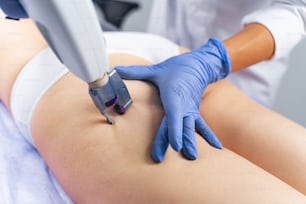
(99, 163)
(19, 42)
(269, 140)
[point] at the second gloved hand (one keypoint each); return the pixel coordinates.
(181, 81)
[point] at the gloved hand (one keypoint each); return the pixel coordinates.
(181, 81)
(13, 9)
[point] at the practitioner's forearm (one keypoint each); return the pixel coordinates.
(251, 45)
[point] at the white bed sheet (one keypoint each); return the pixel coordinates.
(24, 176)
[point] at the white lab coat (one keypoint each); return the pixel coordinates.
(191, 22)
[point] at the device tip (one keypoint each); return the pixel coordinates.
(109, 118)
(110, 122)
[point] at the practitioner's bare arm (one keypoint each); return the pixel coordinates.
(253, 44)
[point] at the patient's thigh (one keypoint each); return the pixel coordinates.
(264, 137)
(101, 163)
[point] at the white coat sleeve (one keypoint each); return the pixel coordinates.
(285, 19)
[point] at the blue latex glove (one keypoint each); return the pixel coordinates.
(13, 9)
(181, 81)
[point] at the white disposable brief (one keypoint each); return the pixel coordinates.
(45, 69)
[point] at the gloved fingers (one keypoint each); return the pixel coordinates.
(207, 133)
(189, 141)
(160, 143)
(175, 127)
(135, 72)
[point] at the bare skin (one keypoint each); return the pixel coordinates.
(253, 44)
(99, 163)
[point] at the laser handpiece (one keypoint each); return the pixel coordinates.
(73, 32)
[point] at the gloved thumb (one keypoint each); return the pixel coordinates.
(135, 72)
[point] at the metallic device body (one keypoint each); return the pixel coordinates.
(103, 97)
(73, 32)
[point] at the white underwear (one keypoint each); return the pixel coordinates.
(44, 70)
